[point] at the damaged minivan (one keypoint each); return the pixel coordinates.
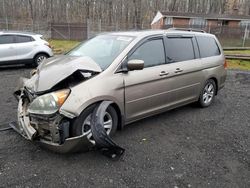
(143, 73)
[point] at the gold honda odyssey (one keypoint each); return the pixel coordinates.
(143, 73)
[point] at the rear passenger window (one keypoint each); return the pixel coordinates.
(6, 39)
(208, 46)
(179, 49)
(22, 39)
(151, 52)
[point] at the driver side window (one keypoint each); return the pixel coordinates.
(151, 52)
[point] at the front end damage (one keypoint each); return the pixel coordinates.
(50, 131)
(40, 98)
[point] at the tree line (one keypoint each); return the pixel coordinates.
(125, 13)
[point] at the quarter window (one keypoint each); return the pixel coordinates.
(6, 39)
(22, 39)
(151, 52)
(208, 46)
(179, 49)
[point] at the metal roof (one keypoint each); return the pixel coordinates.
(205, 16)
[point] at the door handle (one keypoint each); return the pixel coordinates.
(163, 73)
(178, 70)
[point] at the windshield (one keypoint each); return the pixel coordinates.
(102, 49)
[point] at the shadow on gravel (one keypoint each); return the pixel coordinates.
(161, 117)
(14, 67)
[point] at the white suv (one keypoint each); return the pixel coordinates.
(23, 48)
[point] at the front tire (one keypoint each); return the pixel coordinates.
(81, 126)
(207, 94)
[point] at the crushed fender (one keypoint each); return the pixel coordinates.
(103, 142)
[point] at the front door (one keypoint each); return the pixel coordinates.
(144, 89)
(7, 48)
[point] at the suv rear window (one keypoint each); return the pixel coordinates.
(22, 39)
(179, 49)
(6, 39)
(208, 46)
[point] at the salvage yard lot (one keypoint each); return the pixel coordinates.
(186, 147)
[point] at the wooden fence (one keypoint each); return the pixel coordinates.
(69, 31)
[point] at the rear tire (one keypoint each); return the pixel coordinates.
(207, 94)
(39, 58)
(82, 124)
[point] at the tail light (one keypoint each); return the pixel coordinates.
(47, 44)
(225, 64)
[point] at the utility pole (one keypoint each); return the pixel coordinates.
(6, 16)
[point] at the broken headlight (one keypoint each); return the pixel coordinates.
(48, 103)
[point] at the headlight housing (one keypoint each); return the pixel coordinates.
(48, 103)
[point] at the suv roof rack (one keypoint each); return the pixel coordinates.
(187, 29)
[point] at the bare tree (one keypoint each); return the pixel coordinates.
(124, 13)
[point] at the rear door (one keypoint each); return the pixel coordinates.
(184, 67)
(24, 47)
(7, 48)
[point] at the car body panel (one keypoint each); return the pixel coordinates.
(185, 85)
(8, 52)
(91, 91)
(30, 49)
(144, 91)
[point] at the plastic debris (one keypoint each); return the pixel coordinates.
(103, 141)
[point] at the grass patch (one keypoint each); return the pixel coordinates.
(62, 46)
(243, 52)
(238, 64)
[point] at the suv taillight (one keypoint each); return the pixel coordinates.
(47, 44)
(225, 64)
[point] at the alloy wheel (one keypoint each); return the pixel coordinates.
(40, 59)
(208, 93)
(86, 127)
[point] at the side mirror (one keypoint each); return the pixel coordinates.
(135, 64)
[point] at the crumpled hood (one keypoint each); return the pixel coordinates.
(55, 69)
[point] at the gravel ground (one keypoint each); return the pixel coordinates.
(185, 147)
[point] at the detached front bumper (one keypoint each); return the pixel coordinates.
(51, 132)
(24, 127)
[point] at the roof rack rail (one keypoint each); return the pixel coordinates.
(187, 29)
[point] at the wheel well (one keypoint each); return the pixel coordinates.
(118, 111)
(216, 84)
